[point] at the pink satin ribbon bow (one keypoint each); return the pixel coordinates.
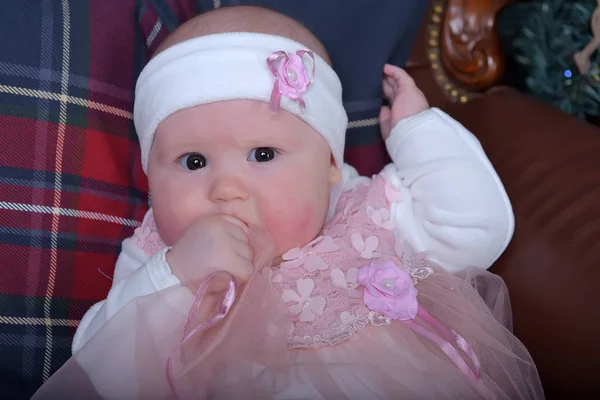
(291, 77)
(223, 309)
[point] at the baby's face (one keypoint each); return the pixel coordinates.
(238, 158)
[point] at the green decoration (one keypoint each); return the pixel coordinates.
(542, 39)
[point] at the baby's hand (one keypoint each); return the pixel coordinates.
(405, 98)
(212, 243)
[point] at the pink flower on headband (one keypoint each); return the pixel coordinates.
(291, 77)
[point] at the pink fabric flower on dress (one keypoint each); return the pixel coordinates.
(291, 77)
(381, 218)
(305, 305)
(389, 290)
(147, 237)
(366, 247)
(309, 255)
(391, 193)
(348, 281)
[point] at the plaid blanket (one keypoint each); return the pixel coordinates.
(71, 185)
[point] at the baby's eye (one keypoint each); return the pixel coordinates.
(193, 161)
(262, 154)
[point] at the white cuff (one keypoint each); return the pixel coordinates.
(159, 270)
(406, 126)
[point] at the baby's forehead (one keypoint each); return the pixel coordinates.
(237, 121)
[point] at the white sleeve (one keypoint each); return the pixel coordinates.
(453, 205)
(135, 275)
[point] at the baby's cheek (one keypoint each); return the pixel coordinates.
(168, 223)
(293, 226)
(174, 212)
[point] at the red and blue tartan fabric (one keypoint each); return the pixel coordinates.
(71, 184)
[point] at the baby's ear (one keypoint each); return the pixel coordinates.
(335, 174)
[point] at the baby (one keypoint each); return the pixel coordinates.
(241, 127)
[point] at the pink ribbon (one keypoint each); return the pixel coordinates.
(282, 86)
(445, 338)
(224, 307)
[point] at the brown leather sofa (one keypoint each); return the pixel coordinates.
(550, 165)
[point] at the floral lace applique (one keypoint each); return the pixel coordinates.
(147, 237)
(349, 206)
(366, 248)
(308, 256)
(325, 298)
(381, 217)
(306, 305)
(355, 321)
(348, 281)
(391, 193)
(361, 318)
(419, 267)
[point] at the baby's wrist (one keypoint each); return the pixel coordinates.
(159, 271)
(174, 264)
(187, 276)
(396, 121)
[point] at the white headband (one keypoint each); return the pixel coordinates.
(234, 66)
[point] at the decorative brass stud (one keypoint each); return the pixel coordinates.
(433, 42)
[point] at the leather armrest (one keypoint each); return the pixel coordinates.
(549, 163)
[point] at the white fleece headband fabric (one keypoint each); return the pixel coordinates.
(234, 66)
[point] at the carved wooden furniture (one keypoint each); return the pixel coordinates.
(463, 47)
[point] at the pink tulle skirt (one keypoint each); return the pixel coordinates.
(138, 353)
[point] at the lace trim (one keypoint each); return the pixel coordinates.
(419, 267)
(344, 331)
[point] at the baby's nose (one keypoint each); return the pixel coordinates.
(228, 188)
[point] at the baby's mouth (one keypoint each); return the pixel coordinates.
(237, 221)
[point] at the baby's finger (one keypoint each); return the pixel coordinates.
(385, 114)
(388, 90)
(244, 252)
(239, 234)
(239, 268)
(392, 82)
(244, 272)
(400, 76)
(385, 121)
(238, 223)
(220, 282)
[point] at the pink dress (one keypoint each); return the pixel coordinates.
(352, 315)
